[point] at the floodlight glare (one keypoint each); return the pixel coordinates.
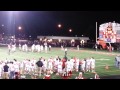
(19, 28)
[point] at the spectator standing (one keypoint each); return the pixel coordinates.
(5, 69)
(39, 64)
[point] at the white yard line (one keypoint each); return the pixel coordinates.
(103, 59)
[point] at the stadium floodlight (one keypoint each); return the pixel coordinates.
(70, 30)
(19, 27)
(59, 25)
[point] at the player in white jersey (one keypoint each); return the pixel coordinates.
(16, 66)
(42, 59)
(9, 65)
(21, 68)
(56, 65)
(24, 62)
(12, 70)
(62, 47)
(34, 61)
(60, 67)
(33, 48)
(9, 48)
(71, 64)
(65, 51)
(68, 66)
(78, 48)
(77, 65)
(83, 65)
(34, 64)
(23, 48)
(26, 47)
(20, 47)
(41, 48)
(88, 64)
(28, 66)
(93, 64)
(3, 63)
(44, 65)
(38, 48)
(50, 64)
(13, 48)
(46, 48)
(54, 62)
(49, 47)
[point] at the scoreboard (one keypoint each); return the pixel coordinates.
(110, 32)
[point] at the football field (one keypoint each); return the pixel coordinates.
(102, 58)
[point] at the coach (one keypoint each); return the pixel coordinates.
(39, 64)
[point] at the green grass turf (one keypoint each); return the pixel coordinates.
(102, 59)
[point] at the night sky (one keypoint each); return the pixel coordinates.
(45, 22)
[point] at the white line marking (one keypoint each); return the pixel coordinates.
(102, 59)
